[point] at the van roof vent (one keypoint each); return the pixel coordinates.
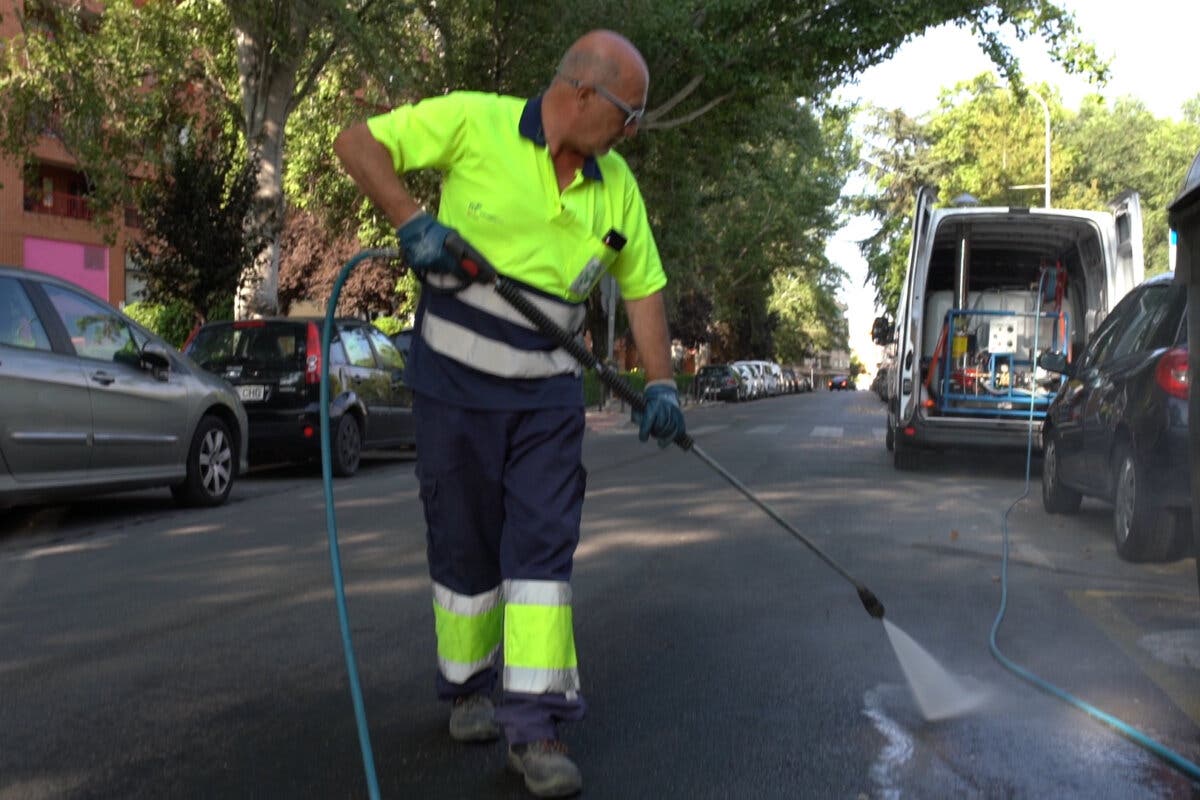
(964, 200)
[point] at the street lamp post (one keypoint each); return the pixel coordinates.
(1045, 184)
(1046, 173)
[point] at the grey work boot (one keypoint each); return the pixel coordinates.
(547, 770)
(473, 719)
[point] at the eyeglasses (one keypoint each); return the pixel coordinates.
(632, 115)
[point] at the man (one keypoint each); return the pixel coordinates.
(535, 187)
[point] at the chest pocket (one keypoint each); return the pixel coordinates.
(585, 255)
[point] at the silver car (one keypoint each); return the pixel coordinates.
(91, 402)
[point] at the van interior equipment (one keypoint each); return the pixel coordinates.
(983, 286)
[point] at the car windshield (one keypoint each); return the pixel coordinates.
(281, 346)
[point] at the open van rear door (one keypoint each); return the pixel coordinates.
(910, 313)
(1129, 267)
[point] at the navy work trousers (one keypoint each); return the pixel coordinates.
(503, 498)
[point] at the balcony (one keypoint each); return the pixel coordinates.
(60, 204)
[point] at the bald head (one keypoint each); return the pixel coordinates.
(598, 95)
(606, 58)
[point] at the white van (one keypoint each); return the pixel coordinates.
(987, 291)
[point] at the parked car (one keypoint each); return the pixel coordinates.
(751, 382)
(275, 366)
(91, 402)
(840, 383)
(720, 382)
(403, 341)
(1118, 428)
(790, 381)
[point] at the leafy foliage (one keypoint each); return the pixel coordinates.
(172, 321)
(983, 141)
(741, 181)
(196, 245)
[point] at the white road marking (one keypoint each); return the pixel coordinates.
(704, 430)
(770, 430)
(827, 432)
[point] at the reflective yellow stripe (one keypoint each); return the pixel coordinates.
(539, 642)
(469, 629)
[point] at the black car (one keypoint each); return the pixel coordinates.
(403, 341)
(1117, 430)
(720, 382)
(275, 366)
(840, 383)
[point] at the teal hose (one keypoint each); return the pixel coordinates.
(335, 559)
(1172, 758)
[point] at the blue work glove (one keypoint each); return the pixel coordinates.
(423, 244)
(663, 418)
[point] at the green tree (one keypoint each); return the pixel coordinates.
(196, 246)
(983, 141)
(721, 71)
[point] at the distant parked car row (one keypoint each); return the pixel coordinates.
(748, 380)
(91, 402)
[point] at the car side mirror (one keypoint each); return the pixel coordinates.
(154, 357)
(883, 331)
(1054, 362)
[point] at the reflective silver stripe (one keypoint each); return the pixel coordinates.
(463, 604)
(487, 355)
(537, 593)
(568, 316)
(541, 681)
(457, 672)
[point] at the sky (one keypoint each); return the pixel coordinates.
(1153, 58)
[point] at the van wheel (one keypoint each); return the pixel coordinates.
(1056, 498)
(347, 446)
(210, 466)
(904, 456)
(1142, 533)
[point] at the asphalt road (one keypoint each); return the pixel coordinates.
(150, 652)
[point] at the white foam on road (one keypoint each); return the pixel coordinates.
(897, 750)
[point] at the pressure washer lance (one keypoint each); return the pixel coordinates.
(482, 271)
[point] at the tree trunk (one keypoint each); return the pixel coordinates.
(268, 81)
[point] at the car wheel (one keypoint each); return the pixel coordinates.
(210, 466)
(347, 446)
(1142, 533)
(1056, 498)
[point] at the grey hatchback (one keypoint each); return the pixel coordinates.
(90, 402)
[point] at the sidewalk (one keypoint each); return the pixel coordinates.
(615, 415)
(612, 417)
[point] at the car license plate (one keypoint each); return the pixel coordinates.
(250, 393)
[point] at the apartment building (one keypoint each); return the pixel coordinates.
(46, 223)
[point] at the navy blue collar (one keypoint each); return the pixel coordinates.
(531, 128)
